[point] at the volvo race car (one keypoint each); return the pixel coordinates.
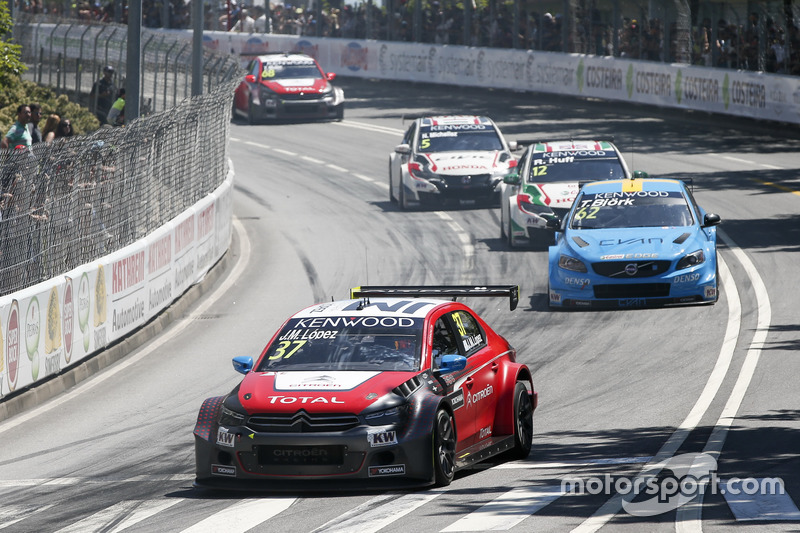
(547, 181)
(449, 159)
(287, 86)
(395, 387)
(634, 243)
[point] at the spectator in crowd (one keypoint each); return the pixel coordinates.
(262, 23)
(19, 135)
(116, 116)
(64, 129)
(245, 24)
(49, 130)
(33, 125)
(102, 94)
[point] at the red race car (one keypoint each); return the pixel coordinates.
(397, 386)
(287, 86)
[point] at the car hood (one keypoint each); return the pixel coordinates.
(466, 163)
(560, 194)
(623, 244)
(297, 85)
(316, 392)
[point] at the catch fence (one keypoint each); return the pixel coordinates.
(72, 201)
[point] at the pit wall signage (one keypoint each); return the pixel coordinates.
(740, 93)
(46, 328)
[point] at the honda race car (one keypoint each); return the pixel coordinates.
(633, 243)
(289, 86)
(398, 386)
(457, 159)
(547, 182)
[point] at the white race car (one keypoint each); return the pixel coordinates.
(459, 158)
(547, 181)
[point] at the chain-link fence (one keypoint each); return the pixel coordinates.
(69, 202)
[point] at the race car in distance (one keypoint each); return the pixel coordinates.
(547, 181)
(633, 243)
(460, 158)
(287, 86)
(395, 387)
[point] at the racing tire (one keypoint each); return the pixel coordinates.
(340, 114)
(502, 227)
(523, 422)
(392, 197)
(251, 115)
(509, 235)
(402, 200)
(444, 448)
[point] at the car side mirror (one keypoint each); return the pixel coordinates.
(402, 149)
(243, 364)
(511, 179)
(711, 219)
(330, 76)
(640, 175)
(512, 145)
(452, 363)
(553, 223)
(250, 78)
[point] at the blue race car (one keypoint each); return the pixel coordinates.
(634, 243)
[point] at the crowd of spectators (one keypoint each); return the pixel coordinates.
(761, 42)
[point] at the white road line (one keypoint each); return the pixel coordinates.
(242, 516)
(466, 244)
(336, 167)
(765, 165)
(312, 160)
(507, 510)
(369, 127)
(363, 177)
(15, 513)
(614, 505)
(737, 160)
(751, 507)
(133, 511)
(286, 152)
(153, 345)
(689, 520)
(10, 483)
(364, 520)
(515, 465)
(257, 145)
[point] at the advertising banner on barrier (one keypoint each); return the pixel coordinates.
(128, 291)
(206, 243)
(184, 254)
(740, 93)
(160, 276)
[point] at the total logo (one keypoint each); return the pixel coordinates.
(479, 395)
(301, 399)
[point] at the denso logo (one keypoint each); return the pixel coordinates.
(480, 395)
(301, 399)
(686, 278)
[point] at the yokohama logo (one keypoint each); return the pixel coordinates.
(389, 470)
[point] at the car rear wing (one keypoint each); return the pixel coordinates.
(528, 142)
(441, 291)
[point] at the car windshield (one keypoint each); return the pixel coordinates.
(346, 343)
(631, 210)
(570, 168)
(279, 71)
(458, 137)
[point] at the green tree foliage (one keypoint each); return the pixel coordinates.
(10, 65)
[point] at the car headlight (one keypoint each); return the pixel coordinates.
(228, 417)
(570, 263)
(694, 258)
(385, 417)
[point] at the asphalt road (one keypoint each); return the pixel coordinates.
(619, 391)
